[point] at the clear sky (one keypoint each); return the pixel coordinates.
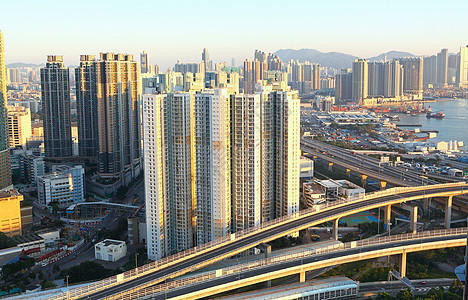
(174, 29)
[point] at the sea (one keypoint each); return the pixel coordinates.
(453, 127)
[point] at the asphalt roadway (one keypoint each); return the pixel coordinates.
(258, 271)
(252, 241)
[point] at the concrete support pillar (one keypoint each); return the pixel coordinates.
(414, 219)
(330, 166)
(363, 179)
(403, 265)
(383, 184)
(335, 229)
(448, 212)
(425, 206)
(302, 277)
(268, 284)
(387, 214)
(266, 248)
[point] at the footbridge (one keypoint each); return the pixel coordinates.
(217, 250)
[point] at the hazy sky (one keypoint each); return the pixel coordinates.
(173, 29)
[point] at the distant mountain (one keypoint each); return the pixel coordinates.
(331, 59)
(390, 55)
(335, 60)
(23, 65)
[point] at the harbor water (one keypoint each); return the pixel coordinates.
(453, 127)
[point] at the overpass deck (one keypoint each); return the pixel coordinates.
(221, 280)
(226, 247)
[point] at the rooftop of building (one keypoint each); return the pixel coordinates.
(9, 193)
(109, 242)
(295, 289)
(27, 238)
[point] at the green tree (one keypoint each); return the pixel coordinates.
(47, 284)
(405, 295)
(384, 296)
(87, 271)
(6, 242)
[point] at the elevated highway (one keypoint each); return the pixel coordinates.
(223, 280)
(226, 247)
(370, 166)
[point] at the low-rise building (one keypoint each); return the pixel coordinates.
(65, 186)
(312, 193)
(349, 190)
(110, 250)
(318, 191)
(307, 168)
(30, 241)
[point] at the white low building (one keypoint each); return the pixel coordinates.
(307, 168)
(110, 250)
(349, 189)
(65, 186)
(318, 191)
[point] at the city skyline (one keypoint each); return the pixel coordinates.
(348, 27)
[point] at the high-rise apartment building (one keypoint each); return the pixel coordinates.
(14, 75)
(385, 79)
(144, 64)
(189, 67)
(206, 60)
(430, 70)
(118, 117)
(343, 86)
(222, 79)
(412, 75)
(462, 69)
(5, 170)
(170, 172)
(246, 160)
(19, 125)
(217, 163)
(86, 78)
(55, 90)
(157, 214)
(442, 67)
(359, 80)
(279, 119)
(253, 72)
(213, 164)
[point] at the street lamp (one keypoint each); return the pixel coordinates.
(68, 292)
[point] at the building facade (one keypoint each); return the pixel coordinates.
(213, 164)
(10, 214)
(55, 90)
(86, 78)
(19, 125)
(442, 68)
(462, 69)
(64, 187)
(5, 170)
(168, 141)
(359, 80)
(118, 115)
(246, 160)
(412, 75)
